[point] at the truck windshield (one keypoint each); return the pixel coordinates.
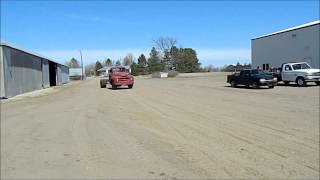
(119, 70)
(300, 66)
(257, 71)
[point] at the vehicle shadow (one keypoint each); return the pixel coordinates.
(295, 85)
(118, 88)
(245, 87)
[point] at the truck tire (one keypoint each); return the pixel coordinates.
(102, 84)
(300, 81)
(255, 85)
(114, 86)
(130, 86)
(233, 84)
(272, 86)
(317, 83)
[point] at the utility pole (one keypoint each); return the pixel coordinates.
(81, 65)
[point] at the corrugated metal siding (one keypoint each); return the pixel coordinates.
(65, 74)
(59, 75)
(45, 73)
(22, 72)
(2, 93)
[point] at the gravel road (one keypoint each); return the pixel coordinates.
(188, 127)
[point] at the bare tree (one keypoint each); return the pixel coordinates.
(128, 60)
(164, 44)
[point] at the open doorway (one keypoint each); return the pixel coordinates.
(53, 73)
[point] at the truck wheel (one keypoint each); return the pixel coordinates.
(130, 86)
(286, 82)
(102, 84)
(255, 85)
(318, 83)
(233, 84)
(114, 87)
(300, 81)
(272, 86)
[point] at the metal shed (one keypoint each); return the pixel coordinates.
(22, 71)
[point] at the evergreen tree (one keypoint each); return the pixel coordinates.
(118, 63)
(73, 63)
(142, 66)
(154, 62)
(97, 67)
(108, 62)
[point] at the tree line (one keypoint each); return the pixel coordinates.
(163, 56)
(166, 56)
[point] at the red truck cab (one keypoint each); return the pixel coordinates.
(120, 76)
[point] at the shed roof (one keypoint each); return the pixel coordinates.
(289, 29)
(28, 52)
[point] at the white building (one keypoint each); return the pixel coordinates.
(296, 44)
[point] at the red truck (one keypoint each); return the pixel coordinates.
(118, 76)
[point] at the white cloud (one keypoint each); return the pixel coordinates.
(216, 57)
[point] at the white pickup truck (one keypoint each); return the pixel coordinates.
(300, 73)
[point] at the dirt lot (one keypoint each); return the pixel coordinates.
(187, 127)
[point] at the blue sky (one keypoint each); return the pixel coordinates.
(220, 31)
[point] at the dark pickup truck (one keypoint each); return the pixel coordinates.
(252, 77)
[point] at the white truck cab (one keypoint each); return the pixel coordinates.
(300, 72)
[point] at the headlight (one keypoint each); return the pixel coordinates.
(275, 79)
(262, 80)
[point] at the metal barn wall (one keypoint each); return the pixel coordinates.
(292, 46)
(45, 73)
(22, 72)
(2, 93)
(64, 74)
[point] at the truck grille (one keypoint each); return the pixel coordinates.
(124, 79)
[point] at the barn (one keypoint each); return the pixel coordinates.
(23, 71)
(296, 44)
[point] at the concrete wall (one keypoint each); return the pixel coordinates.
(292, 46)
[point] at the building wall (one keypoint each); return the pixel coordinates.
(65, 74)
(2, 93)
(45, 73)
(292, 46)
(22, 72)
(62, 74)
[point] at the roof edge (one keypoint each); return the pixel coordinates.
(29, 52)
(313, 23)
